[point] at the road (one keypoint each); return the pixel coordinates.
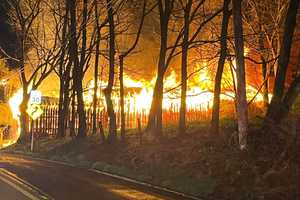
(70, 183)
(8, 192)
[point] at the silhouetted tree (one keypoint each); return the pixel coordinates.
(218, 78)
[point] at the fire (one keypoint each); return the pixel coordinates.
(199, 94)
(11, 125)
(14, 103)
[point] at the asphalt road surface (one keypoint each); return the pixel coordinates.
(70, 183)
(8, 192)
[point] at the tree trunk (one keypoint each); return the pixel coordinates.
(97, 55)
(266, 83)
(242, 110)
(112, 118)
(79, 76)
(24, 118)
(108, 90)
(61, 113)
(81, 112)
(78, 72)
(61, 126)
(74, 60)
(184, 66)
(264, 69)
(155, 116)
(73, 116)
(66, 102)
(95, 98)
(218, 78)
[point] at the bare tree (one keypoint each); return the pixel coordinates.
(63, 72)
(185, 39)
(242, 110)
(184, 63)
(218, 78)
(96, 74)
(108, 90)
(264, 21)
(155, 116)
(282, 101)
(79, 70)
(35, 54)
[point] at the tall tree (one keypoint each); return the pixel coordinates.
(108, 90)
(79, 72)
(190, 38)
(242, 110)
(218, 78)
(63, 73)
(184, 63)
(97, 55)
(33, 52)
(165, 8)
(168, 52)
(282, 101)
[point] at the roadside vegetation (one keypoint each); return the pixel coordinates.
(196, 163)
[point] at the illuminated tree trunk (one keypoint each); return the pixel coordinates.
(155, 115)
(218, 78)
(242, 110)
(184, 66)
(280, 104)
(265, 84)
(264, 68)
(108, 90)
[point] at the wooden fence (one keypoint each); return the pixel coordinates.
(47, 123)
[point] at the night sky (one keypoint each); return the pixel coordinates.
(8, 37)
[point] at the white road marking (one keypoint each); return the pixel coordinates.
(22, 186)
(24, 192)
